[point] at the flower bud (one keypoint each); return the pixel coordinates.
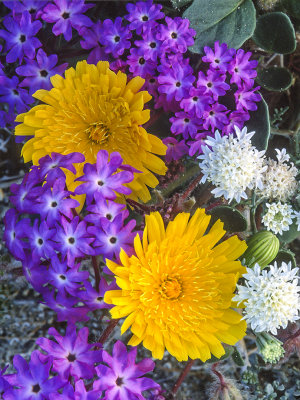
(270, 348)
(226, 391)
(262, 249)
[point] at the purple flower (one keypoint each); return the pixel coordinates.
(110, 237)
(93, 298)
(91, 41)
(72, 354)
(72, 239)
(150, 45)
(103, 177)
(175, 82)
(185, 125)
(241, 69)
(121, 378)
(246, 99)
(138, 65)
(14, 233)
(114, 37)
(10, 93)
(197, 103)
(142, 15)
(19, 37)
(40, 242)
(196, 145)
(177, 36)
(175, 149)
(32, 6)
(4, 385)
(104, 209)
(32, 379)
(219, 57)
(54, 202)
(67, 14)
(151, 85)
(213, 83)
(235, 118)
(80, 393)
(39, 72)
(215, 117)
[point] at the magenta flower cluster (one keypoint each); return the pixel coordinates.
(46, 234)
(65, 366)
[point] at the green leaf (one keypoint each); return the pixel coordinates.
(228, 353)
(229, 21)
(180, 3)
(291, 234)
(275, 78)
(285, 256)
(259, 122)
(292, 7)
(275, 33)
(237, 358)
(233, 220)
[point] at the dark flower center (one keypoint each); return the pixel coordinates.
(209, 84)
(108, 216)
(14, 235)
(62, 277)
(174, 35)
(15, 92)
(186, 120)
(211, 113)
(71, 357)
(113, 240)
(142, 61)
(236, 69)
(22, 38)
(36, 388)
(152, 80)
(99, 298)
(195, 98)
(217, 61)
(119, 381)
(100, 183)
(71, 240)
(32, 11)
(65, 15)
(117, 39)
(178, 84)
(152, 45)
(40, 241)
(43, 73)
(53, 204)
(145, 18)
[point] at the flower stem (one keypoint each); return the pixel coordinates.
(219, 375)
(181, 378)
(113, 323)
(97, 272)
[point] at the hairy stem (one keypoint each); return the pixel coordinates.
(181, 378)
(97, 272)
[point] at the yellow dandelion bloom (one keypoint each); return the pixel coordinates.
(176, 292)
(93, 108)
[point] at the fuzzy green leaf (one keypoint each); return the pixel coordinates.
(180, 3)
(229, 21)
(237, 358)
(259, 122)
(233, 220)
(275, 78)
(275, 33)
(285, 256)
(292, 7)
(228, 353)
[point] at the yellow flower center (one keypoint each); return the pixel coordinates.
(98, 132)
(171, 288)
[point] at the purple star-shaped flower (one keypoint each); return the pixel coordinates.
(212, 83)
(67, 14)
(142, 15)
(20, 6)
(40, 242)
(11, 93)
(72, 354)
(241, 69)
(138, 65)
(20, 37)
(115, 37)
(150, 45)
(32, 379)
(103, 177)
(121, 378)
(93, 298)
(177, 35)
(176, 149)
(197, 144)
(14, 233)
(38, 72)
(104, 209)
(235, 118)
(185, 125)
(215, 117)
(91, 41)
(246, 99)
(220, 57)
(197, 102)
(80, 393)
(175, 82)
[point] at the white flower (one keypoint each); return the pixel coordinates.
(297, 215)
(271, 297)
(232, 164)
(280, 178)
(278, 217)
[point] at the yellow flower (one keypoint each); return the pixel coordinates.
(176, 293)
(93, 108)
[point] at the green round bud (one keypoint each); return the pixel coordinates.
(262, 248)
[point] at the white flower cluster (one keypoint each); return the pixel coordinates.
(232, 164)
(271, 297)
(278, 217)
(280, 178)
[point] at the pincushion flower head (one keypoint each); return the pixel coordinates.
(271, 298)
(232, 164)
(176, 291)
(93, 108)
